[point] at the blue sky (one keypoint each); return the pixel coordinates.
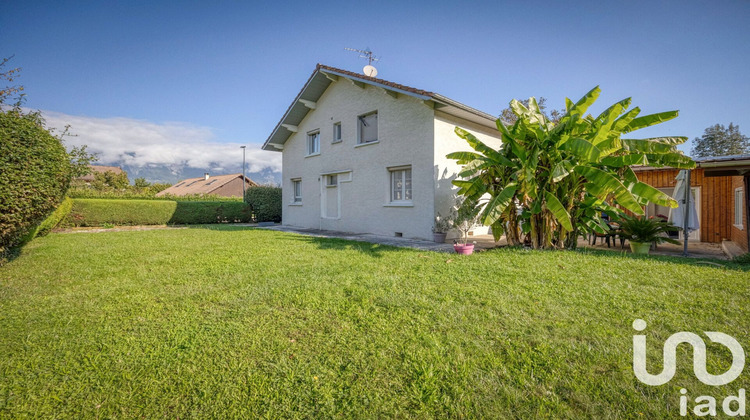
(214, 75)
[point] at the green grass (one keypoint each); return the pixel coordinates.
(226, 322)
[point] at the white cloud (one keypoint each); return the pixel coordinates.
(144, 143)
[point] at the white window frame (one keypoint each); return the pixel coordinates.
(360, 121)
(332, 180)
(337, 132)
(297, 191)
(400, 171)
(313, 143)
(739, 208)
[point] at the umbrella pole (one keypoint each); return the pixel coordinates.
(686, 215)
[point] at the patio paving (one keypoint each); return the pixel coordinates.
(483, 242)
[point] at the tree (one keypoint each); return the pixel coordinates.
(720, 141)
(109, 180)
(551, 181)
(141, 183)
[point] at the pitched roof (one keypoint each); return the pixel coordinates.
(324, 75)
(100, 169)
(202, 185)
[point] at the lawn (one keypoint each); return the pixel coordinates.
(226, 322)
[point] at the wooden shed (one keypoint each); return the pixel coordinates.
(720, 189)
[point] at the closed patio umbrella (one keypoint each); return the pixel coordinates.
(677, 215)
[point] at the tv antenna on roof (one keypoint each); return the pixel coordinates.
(369, 69)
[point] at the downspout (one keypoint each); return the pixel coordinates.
(686, 216)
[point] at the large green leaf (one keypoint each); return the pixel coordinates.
(582, 149)
(463, 158)
(625, 119)
(649, 120)
(585, 102)
(561, 170)
(556, 208)
(497, 205)
(653, 195)
(602, 183)
(472, 188)
(475, 165)
(647, 146)
(480, 147)
(611, 113)
(675, 160)
(625, 160)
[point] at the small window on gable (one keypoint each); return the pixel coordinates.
(367, 128)
(336, 132)
(297, 190)
(313, 143)
(739, 205)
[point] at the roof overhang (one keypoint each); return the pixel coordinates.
(736, 165)
(322, 78)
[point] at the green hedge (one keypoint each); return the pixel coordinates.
(35, 172)
(97, 212)
(86, 192)
(265, 202)
(51, 221)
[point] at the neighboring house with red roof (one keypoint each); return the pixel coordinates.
(100, 169)
(366, 155)
(223, 185)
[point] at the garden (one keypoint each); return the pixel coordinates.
(217, 321)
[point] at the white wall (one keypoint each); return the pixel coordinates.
(446, 170)
(405, 131)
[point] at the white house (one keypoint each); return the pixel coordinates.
(366, 155)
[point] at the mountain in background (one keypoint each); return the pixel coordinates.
(171, 174)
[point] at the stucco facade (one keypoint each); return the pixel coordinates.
(411, 134)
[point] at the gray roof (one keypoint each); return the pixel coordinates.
(324, 75)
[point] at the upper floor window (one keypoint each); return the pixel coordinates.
(367, 128)
(400, 184)
(336, 132)
(313, 143)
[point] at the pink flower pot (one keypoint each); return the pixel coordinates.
(464, 249)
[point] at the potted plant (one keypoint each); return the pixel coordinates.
(466, 217)
(440, 228)
(642, 232)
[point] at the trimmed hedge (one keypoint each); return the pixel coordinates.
(36, 172)
(132, 194)
(50, 222)
(265, 202)
(97, 212)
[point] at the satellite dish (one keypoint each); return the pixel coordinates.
(369, 70)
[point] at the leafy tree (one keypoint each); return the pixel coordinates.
(551, 181)
(720, 141)
(109, 180)
(141, 183)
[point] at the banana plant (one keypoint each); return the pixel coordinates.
(552, 181)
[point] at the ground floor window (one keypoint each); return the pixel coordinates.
(297, 189)
(739, 204)
(400, 184)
